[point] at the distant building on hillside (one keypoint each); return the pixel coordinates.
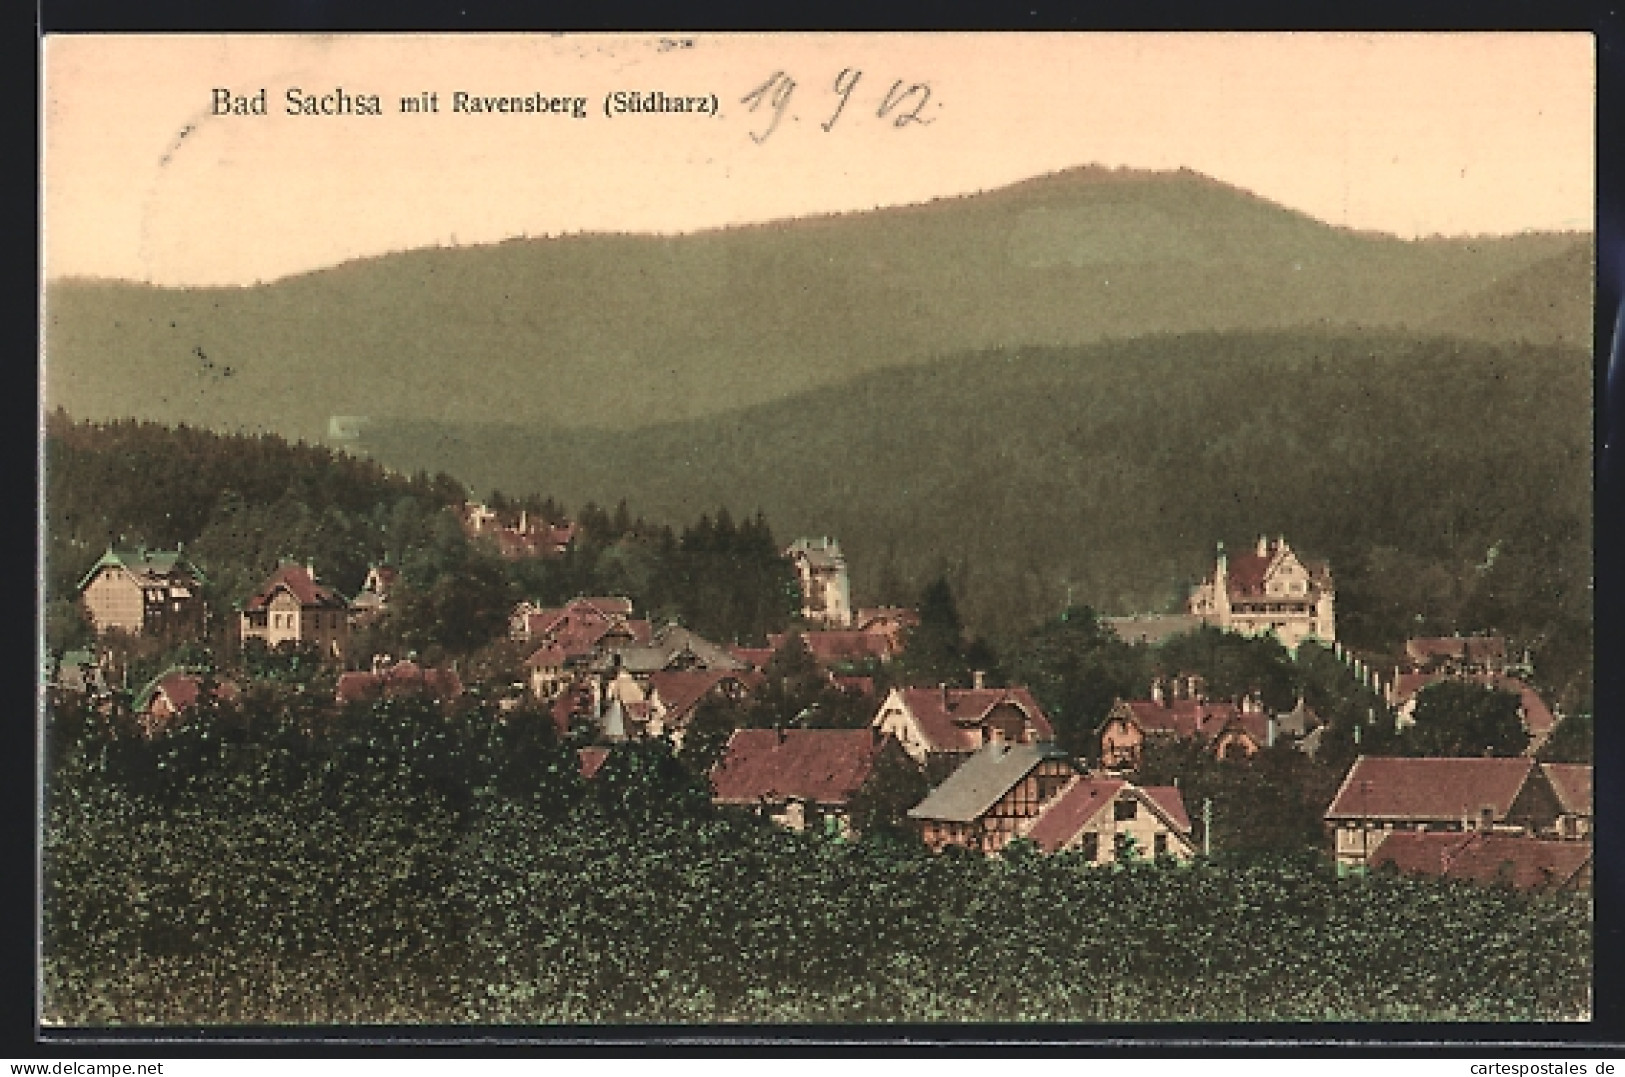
(142, 592)
(373, 598)
(291, 607)
(826, 591)
(940, 727)
(1268, 591)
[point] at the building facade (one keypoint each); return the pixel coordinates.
(291, 607)
(826, 590)
(142, 592)
(1269, 591)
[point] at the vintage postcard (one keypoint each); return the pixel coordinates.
(620, 530)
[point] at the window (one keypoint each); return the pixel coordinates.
(1123, 846)
(1160, 845)
(1090, 847)
(1124, 810)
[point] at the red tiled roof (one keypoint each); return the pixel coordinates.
(1245, 573)
(755, 657)
(1080, 801)
(591, 760)
(1172, 803)
(548, 656)
(181, 689)
(682, 690)
(863, 686)
(1429, 789)
(833, 645)
(1406, 685)
(1572, 784)
(825, 766)
(297, 580)
(866, 618)
(606, 605)
(442, 684)
(565, 707)
(954, 727)
(1538, 718)
(1188, 719)
(1523, 862)
(1465, 648)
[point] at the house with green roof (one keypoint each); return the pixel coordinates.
(143, 592)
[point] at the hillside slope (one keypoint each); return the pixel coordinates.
(621, 331)
(1109, 472)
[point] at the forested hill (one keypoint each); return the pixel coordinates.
(1442, 478)
(618, 331)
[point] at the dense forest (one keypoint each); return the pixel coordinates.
(240, 504)
(276, 864)
(1446, 482)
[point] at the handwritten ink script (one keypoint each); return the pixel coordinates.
(901, 105)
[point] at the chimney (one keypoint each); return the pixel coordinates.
(943, 687)
(779, 729)
(1263, 546)
(1156, 691)
(979, 679)
(1269, 733)
(310, 570)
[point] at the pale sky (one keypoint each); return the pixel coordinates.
(1413, 134)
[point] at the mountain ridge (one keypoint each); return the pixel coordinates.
(621, 331)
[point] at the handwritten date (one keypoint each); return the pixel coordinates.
(901, 105)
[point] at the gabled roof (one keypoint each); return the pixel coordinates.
(681, 690)
(1572, 784)
(1071, 810)
(1429, 789)
(1522, 862)
(151, 567)
(1190, 719)
(591, 760)
(1084, 798)
(666, 648)
(548, 656)
(824, 766)
(181, 688)
(297, 581)
(1246, 573)
(950, 719)
(982, 780)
